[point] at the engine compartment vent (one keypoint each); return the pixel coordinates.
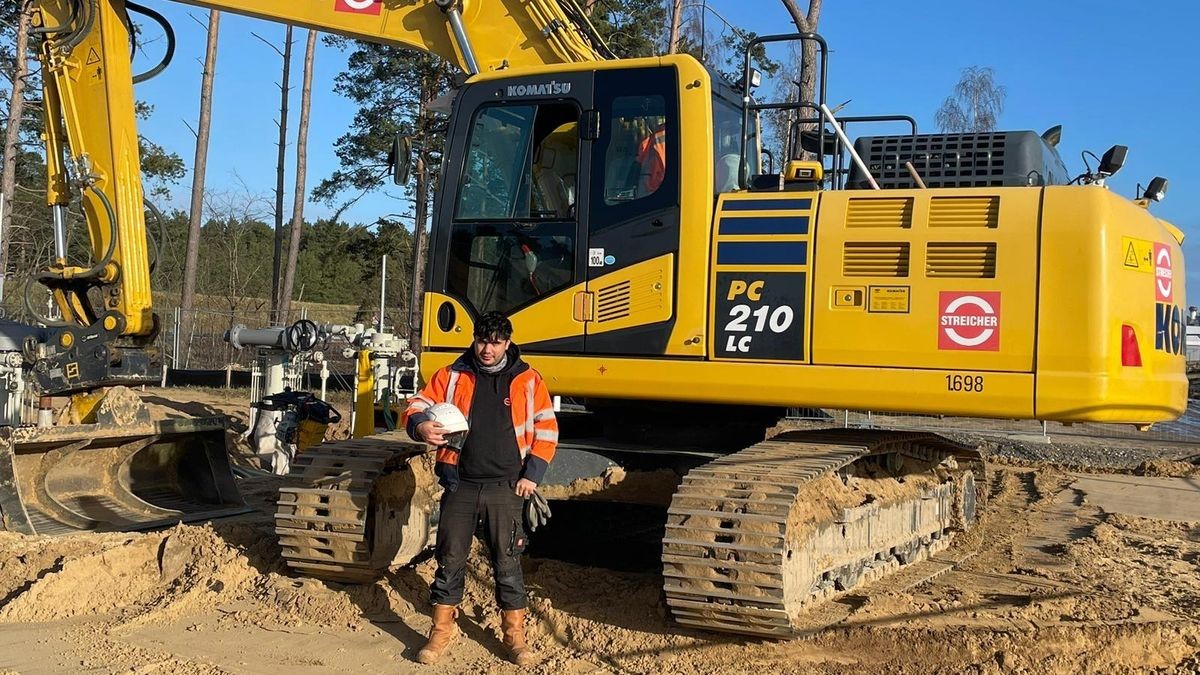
(890, 212)
(612, 302)
(964, 211)
(961, 260)
(875, 259)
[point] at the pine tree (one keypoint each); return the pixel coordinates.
(632, 28)
(393, 88)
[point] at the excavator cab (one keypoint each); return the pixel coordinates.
(573, 200)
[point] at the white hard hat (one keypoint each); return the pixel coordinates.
(453, 421)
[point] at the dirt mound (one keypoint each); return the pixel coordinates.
(160, 577)
(1167, 468)
(1119, 595)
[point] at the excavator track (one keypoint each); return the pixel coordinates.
(756, 538)
(353, 508)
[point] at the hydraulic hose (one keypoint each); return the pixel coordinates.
(42, 30)
(98, 268)
(93, 272)
(33, 313)
(72, 41)
(162, 233)
(167, 30)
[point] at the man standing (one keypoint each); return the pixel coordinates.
(512, 437)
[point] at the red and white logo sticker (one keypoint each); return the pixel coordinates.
(969, 320)
(1163, 283)
(358, 6)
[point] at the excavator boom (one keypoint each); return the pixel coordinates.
(107, 465)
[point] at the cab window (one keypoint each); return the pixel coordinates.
(727, 145)
(513, 239)
(522, 162)
(635, 162)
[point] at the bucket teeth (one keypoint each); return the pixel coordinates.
(756, 538)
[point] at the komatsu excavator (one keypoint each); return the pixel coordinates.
(617, 211)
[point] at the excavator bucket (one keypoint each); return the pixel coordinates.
(107, 477)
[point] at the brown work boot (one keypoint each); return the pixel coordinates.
(513, 625)
(441, 635)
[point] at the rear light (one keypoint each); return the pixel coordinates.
(1130, 354)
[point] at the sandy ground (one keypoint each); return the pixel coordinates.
(1068, 571)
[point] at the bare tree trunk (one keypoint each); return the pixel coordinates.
(277, 317)
(806, 23)
(416, 301)
(676, 23)
(187, 300)
(421, 213)
(12, 138)
(289, 274)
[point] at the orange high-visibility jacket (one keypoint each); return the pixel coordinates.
(652, 157)
(532, 415)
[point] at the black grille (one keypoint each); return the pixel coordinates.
(1003, 158)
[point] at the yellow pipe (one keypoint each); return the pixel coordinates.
(364, 397)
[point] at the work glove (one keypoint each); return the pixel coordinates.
(537, 511)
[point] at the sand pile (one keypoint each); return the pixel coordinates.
(1167, 468)
(161, 577)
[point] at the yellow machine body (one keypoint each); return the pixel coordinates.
(887, 295)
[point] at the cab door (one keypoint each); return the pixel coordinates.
(633, 225)
(509, 232)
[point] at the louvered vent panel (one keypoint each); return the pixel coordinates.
(612, 302)
(894, 212)
(875, 259)
(961, 260)
(964, 212)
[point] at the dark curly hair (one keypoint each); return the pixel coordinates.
(493, 325)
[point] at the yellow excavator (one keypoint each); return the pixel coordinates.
(681, 298)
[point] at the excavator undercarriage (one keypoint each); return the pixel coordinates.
(753, 540)
(756, 538)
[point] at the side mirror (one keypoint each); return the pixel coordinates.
(1113, 160)
(400, 158)
(1156, 190)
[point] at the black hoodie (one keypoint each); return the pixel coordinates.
(490, 453)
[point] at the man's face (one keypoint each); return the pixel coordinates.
(489, 350)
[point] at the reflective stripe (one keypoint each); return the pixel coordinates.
(529, 385)
(547, 414)
(417, 406)
(421, 399)
(452, 386)
(545, 435)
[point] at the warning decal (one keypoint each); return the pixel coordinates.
(1137, 254)
(358, 6)
(969, 320)
(1164, 285)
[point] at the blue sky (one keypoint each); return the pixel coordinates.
(1107, 72)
